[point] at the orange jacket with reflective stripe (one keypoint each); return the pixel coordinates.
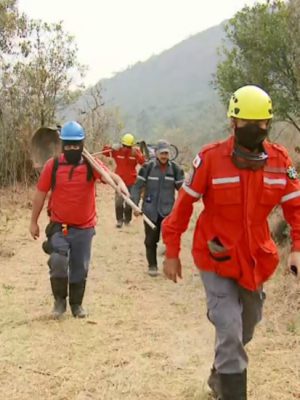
(126, 160)
(237, 203)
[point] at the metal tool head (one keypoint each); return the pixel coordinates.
(45, 144)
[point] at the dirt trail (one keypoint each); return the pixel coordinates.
(145, 338)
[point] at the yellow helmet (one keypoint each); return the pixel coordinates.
(128, 140)
(250, 102)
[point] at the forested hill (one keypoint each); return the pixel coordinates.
(171, 91)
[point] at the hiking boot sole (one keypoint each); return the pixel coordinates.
(152, 273)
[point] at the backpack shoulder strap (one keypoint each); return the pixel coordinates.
(174, 169)
(149, 168)
(56, 163)
(89, 172)
(53, 174)
(150, 165)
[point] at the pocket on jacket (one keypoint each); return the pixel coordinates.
(224, 264)
(271, 196)
(227, 194)
(268, 259)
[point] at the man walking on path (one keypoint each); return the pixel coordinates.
(240, 181)
(72, 212)
(126, 157)
(158, 179)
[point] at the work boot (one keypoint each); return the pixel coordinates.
(233, 386)
(59, 308)
(76, 293)
(119, 224)
(214, 383)
(152, 270)
(60, 291)
(78, 311)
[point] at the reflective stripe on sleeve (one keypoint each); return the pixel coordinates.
(290, 196)
(229, 179)
(272, 181)
(191, 192)
(141, 178)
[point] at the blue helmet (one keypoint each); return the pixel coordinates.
(72, 131)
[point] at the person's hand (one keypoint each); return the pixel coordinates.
(34, 230)
(122, 188)
(172, 268)
(116, 146)
(137, 213)
(294, 263)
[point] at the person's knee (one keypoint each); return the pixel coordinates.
(251, 318)
(229, 333)
(47, 247)
(230, 353)
(119, 201)
(223, 316)
(58, 264)
(148, 242)
(247, 337)
(78, 273)
(249, 327)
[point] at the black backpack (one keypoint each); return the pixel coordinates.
(56, 164)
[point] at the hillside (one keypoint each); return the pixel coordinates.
(171, 90)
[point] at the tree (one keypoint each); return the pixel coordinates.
(295, 29)
(11, 24)
(50, 69)
(264, 50)
(102, 124)
(38, 65)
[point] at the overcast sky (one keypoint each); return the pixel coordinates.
(112, 34)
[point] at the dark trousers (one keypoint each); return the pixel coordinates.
(71, 254)
(151, 240)
(123, 210)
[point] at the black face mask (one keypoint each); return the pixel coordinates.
(73, 156)
(251, 136)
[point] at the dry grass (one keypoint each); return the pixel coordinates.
(145, 338)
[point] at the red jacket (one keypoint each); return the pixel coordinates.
(237, 203)
(126, 161)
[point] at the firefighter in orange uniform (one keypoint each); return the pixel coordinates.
(126, 157)
(240, 181)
